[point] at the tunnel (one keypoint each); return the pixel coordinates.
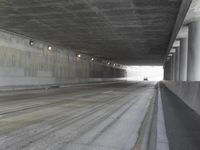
(65, 81)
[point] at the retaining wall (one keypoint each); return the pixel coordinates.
(25, 64)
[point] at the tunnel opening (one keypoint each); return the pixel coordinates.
(144, 73)
(65, 83)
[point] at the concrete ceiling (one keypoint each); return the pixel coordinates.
(131, 32)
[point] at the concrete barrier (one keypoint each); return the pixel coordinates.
(189, 92)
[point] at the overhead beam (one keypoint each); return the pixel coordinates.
(185, 5)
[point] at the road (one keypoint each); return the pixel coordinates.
(89, 117)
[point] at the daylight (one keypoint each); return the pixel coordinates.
(150, 73)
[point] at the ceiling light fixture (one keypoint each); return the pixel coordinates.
(31, 42)
(49, 48)
(79, 55)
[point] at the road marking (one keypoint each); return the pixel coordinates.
(107, 92)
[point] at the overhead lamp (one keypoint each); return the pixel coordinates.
(79, 55)
(92, 59)
(31, 43)
(49, 48)
(108, 63)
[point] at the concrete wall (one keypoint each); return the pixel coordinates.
(189, 92)
(23, 64)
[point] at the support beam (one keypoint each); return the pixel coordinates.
(193, 73)
(185, 5)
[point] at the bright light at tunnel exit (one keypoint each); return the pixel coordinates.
(138, 73)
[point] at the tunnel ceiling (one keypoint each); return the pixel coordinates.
(130, 32)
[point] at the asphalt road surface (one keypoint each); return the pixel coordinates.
(90, 117)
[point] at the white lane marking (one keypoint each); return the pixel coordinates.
(106, 92)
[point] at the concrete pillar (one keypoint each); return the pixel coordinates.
(173, 65)
(171, 68)
(168, 69)
(164, 75)
(177, 60)
(183, 59)
(193, 73)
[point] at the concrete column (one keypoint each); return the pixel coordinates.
(193, 73)
(164, 75)
(173, 67)
(177, 56)
(169, 68)
(168, 65)
(166, 71)
(183, 59)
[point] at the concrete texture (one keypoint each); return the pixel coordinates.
(127, 31)
(174, 66)
(193, 73)
(193, 13)
(161, 138)
(183, 12)
(183, 32)
(22, 64)
(182, 124)
(167, 70)
(103, 117)
(171, 67)
(189, 92)
(177, 63)
(183, 59)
